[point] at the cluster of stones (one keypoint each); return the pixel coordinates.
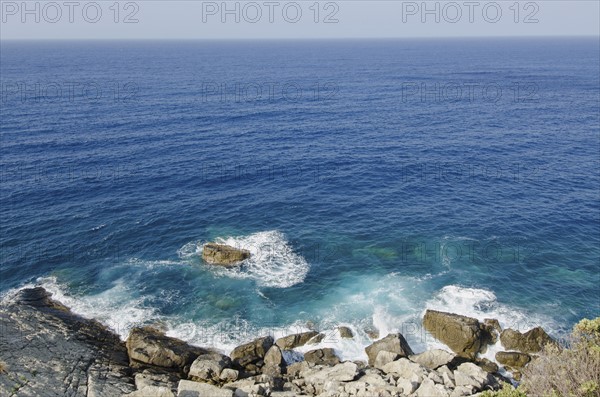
(47, 350)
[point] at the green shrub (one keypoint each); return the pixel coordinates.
(568, 372)
(506, 391)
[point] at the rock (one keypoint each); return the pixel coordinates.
(155, 384)
(346, 332)
(225, 255)
(325, 356)
(394, 343)
(487, 365)
(296, 340)
(404, 368)
(208, 367)
(316, 339)
(294, 370)
(463, 335)
(344, 372)
(148, 346)
(384, 357)
(274, 357)
(189, 388)
(47, 350)
(469, 374)
(429, 389)
(531, 341)
(372, 332)
(407, 386)
(460, 391)
(432, 359)
(152, 391)
(229, 375)
(252, 352)
(513, 359)
(374, 379)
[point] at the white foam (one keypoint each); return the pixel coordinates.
(116, 307)
(481, 304)
(273, 263)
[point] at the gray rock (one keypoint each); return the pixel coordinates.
(460, 391)
(432, 359)
(47, 351)
(296, 340)
(344, 372)
(152, 391)
(429, 389)
(229, 375)
(394, 343)
(224, 255)
(208, 367)
(316, 339)
(150, 347)
(469, 374)
(405, 368)
(189, 388)
(325, 356)
(407, 386)
(384, 357)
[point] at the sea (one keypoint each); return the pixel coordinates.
(370, 179)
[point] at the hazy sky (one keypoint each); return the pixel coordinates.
(159, 19)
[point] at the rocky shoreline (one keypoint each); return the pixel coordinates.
(46, 350)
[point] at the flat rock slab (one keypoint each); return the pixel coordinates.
(49, 351)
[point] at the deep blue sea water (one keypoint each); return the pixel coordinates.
(370, 179)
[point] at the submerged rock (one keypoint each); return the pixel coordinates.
(394, 343)
(463, 335)
(225, 255)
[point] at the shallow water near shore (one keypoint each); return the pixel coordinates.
(364, 200)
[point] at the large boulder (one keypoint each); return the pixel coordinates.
(225, 255)
(464, 335)
(531, 341)
(292, 341)
(148, 346)
(324, 356)
(469, 374)
(344, 372)
(513, 359)
(252, 352)
(394, 343)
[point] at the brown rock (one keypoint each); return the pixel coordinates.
(531, 341)
(346, 332)
(513, 359)
(292, 341)
(252, 352)
(463, 335)
(149, 346)
(324, 356)
(225, 255)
